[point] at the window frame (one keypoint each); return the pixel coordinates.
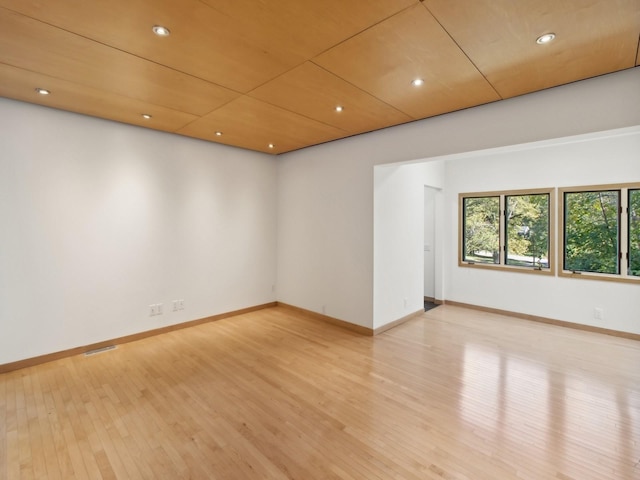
(623, 233)
(502, 239)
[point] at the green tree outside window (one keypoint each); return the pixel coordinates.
(482, 229)
(591, 231)
(527, 221)
(634, 232)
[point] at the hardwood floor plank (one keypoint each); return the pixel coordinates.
(457, 394)
(50, 459)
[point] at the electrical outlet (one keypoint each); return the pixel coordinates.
(159, 308)
(406, 302)
(598, 313)
(181, 304)
(153, 310)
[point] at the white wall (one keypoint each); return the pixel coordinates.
(325, 193)
(398, 247)
(325, 234)
(430, 196)
(101, 219)
(610, 157)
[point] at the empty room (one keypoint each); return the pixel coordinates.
(222, 223)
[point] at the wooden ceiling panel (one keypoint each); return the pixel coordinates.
(239, 44)
(21, 84)
(306, 27)
(272, 71)
(386, 58)
(32, 45)
(203, 43)
(252, 124)
(313, 92)
(499, 36)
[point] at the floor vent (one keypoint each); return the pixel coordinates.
(99, 350)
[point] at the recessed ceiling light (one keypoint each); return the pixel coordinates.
(339, 108)
(146, 116)
(161, 31)
(43, 91)
(218, 134)
(271, 145)
(417, 82)
(546, 38)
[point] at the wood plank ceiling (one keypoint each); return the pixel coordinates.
(255, 73)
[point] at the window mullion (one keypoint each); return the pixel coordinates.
(623, 221)
(503, 230)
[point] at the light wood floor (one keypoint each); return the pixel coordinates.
(453, 394)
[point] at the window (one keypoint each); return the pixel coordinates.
(634, 232)
(527, 224)
(508, 230)
(481, 229)
(601, 232)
